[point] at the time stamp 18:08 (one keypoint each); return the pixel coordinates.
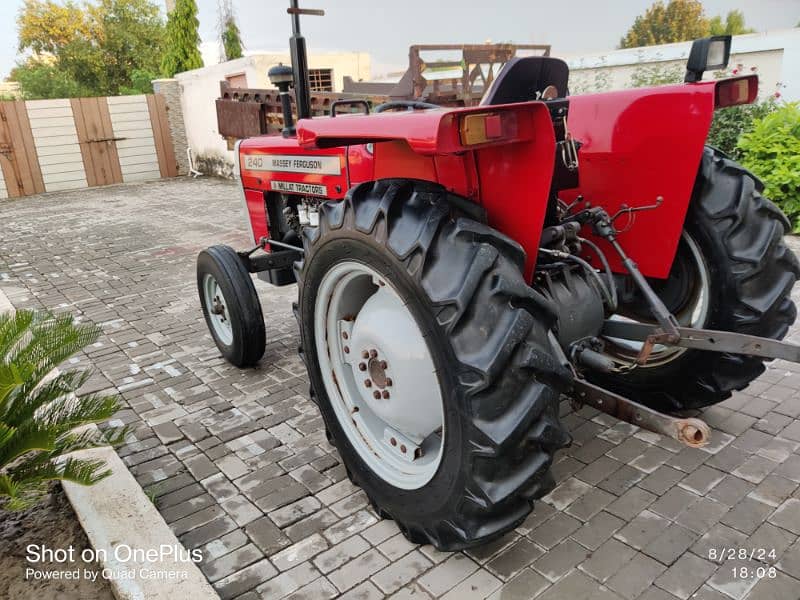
(765, 556)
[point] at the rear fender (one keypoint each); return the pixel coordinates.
(637, 145)
(509, 176)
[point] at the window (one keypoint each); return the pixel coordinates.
(320, 80)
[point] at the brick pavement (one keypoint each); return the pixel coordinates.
(240, 467)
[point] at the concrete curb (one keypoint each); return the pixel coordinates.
(122, 525)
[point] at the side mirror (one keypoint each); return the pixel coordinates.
(707, 54)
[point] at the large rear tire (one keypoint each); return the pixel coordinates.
(450, 331)
(736, 238)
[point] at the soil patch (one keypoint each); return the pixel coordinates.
(53, 524)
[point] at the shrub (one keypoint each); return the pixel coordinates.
(730, 123)
(39, 412)
(772, 151)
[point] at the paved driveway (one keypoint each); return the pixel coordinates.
(240, 466)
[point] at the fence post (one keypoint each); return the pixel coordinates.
(170, 89)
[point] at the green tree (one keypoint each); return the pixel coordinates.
(732, 25)
(39, 412)
(97, 48)
(181, 52)
(231, 40)
(229, 32)
(677, 21)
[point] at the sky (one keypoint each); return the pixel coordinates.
(386, 28)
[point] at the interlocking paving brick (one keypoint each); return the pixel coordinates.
(477, 586)
(513, 559)
(299, 552)
(231, 562)
(526, 585)
(401, 571)
(244, 580)
(787, 516)
(239, 464)
(288, 582)
(635, 576)
(598, 529)
(685, 576)
(266, 535)
(341, 553)
(448, 574)
(358, 569)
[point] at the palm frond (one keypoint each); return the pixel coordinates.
(77, 470)
(69, 412)
(28, 437)
(51, 342)
(13, 328)
(39, 416)
(10, 380)
(22, 407)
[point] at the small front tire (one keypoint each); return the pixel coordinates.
(230, 306)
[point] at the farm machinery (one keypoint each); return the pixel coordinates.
(459, 269)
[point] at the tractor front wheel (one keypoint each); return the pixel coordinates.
(230, 306)
(430, 361)
(732, 272)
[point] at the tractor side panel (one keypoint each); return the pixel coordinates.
(638, 145)
(271, 164)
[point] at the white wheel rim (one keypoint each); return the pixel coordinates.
(695, 314)
(379, 375)
(217, 308)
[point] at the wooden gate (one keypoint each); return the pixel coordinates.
(97, 141)
(18, 161)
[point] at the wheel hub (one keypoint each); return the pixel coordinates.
(377, 372)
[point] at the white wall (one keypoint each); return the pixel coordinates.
(776, 54)
(200, 89)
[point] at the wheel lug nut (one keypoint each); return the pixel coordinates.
(376, 394)
(344, 335)
(388, 382)
(393, 442)
(373, 353)
(347, 349)
(385, 395)
(368, 383)
(362, 367)
(403, 448)
(383, 364)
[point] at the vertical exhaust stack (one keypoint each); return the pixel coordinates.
(297, 46)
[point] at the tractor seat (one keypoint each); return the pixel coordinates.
(523, 79)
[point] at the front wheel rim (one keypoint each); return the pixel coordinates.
(217, 309)
(379, 375)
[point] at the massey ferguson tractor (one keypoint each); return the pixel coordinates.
(459, 269)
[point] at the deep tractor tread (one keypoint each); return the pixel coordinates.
(741, 234)
(244, 306)
(470, 279)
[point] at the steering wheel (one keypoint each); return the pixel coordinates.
(406, 104)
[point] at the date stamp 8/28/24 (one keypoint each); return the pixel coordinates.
(751, 570)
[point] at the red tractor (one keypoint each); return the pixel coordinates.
(459, 269)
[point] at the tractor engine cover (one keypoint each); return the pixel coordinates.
(578, 301)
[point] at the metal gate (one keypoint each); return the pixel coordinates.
(97, 141)
(18, 161)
